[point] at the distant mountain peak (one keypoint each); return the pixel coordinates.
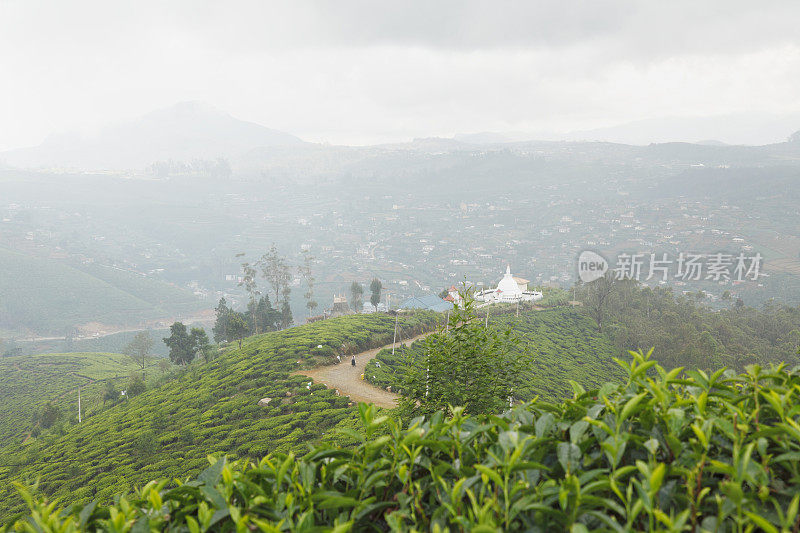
(185, 109)
(181, 132)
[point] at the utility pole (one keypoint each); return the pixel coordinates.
(79, 404)
(427, 376)
(396, 317)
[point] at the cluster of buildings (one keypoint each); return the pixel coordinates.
(510, 289)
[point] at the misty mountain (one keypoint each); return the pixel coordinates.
(183, 132)
(750, 129)
(742, 128)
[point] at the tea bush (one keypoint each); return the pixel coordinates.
(661, 451)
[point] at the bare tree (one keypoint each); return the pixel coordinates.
(250, 285)
(275, 270)
(139, 348)
(598, 294)
(308, 277)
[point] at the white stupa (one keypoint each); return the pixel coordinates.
(510, 290)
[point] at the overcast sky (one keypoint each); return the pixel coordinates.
(364, 72)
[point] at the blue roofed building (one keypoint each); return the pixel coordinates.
(431, 302)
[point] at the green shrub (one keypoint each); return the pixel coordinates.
(666, 451)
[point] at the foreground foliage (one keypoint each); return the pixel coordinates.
(665, 451)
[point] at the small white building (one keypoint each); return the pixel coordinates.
(510, 289)
(453, 295)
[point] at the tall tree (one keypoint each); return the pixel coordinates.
(375, 289)
(250, 285)
(220, 329)
(357, 296)
(139, 348)
(181, 347)
(286, 315)
(237, 327)
(269, 316)
(275, 270)
(596, 295)
(465, 364)
(308, 277)
(200, 343)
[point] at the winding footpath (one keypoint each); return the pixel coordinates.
(346, 378)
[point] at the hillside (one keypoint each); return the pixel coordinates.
(113, 343)
(685, 330)
(50, 296)
(28, 382)
(558, 345)
(205, 408)
(183, 132)
(212, 408)
(659, 452)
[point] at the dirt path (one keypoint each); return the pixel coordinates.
(347, 378)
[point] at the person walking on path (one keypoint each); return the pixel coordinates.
(353, 361)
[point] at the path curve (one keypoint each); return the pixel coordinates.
(346, 378)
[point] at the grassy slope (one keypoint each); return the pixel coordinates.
(28, 382)
(559, 345)
(48, 296)
(167, 431)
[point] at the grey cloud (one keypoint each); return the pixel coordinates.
(631, 28)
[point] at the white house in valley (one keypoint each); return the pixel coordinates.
(510, 289)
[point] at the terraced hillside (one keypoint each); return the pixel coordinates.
(208, 408)
(48, 296)
(558, 345)
(28, 382)
(661, 451)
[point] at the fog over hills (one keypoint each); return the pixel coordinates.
(742, 128)
(185, 131)
(192, 130)
(752, 129)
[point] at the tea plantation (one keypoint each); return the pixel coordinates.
(206, 408)
(48, 296)
(28, 382)
(558, 345)
(661, 451)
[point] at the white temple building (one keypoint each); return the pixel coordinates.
(510, 290)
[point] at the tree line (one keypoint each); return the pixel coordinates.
(357, 294)
(685, 330)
